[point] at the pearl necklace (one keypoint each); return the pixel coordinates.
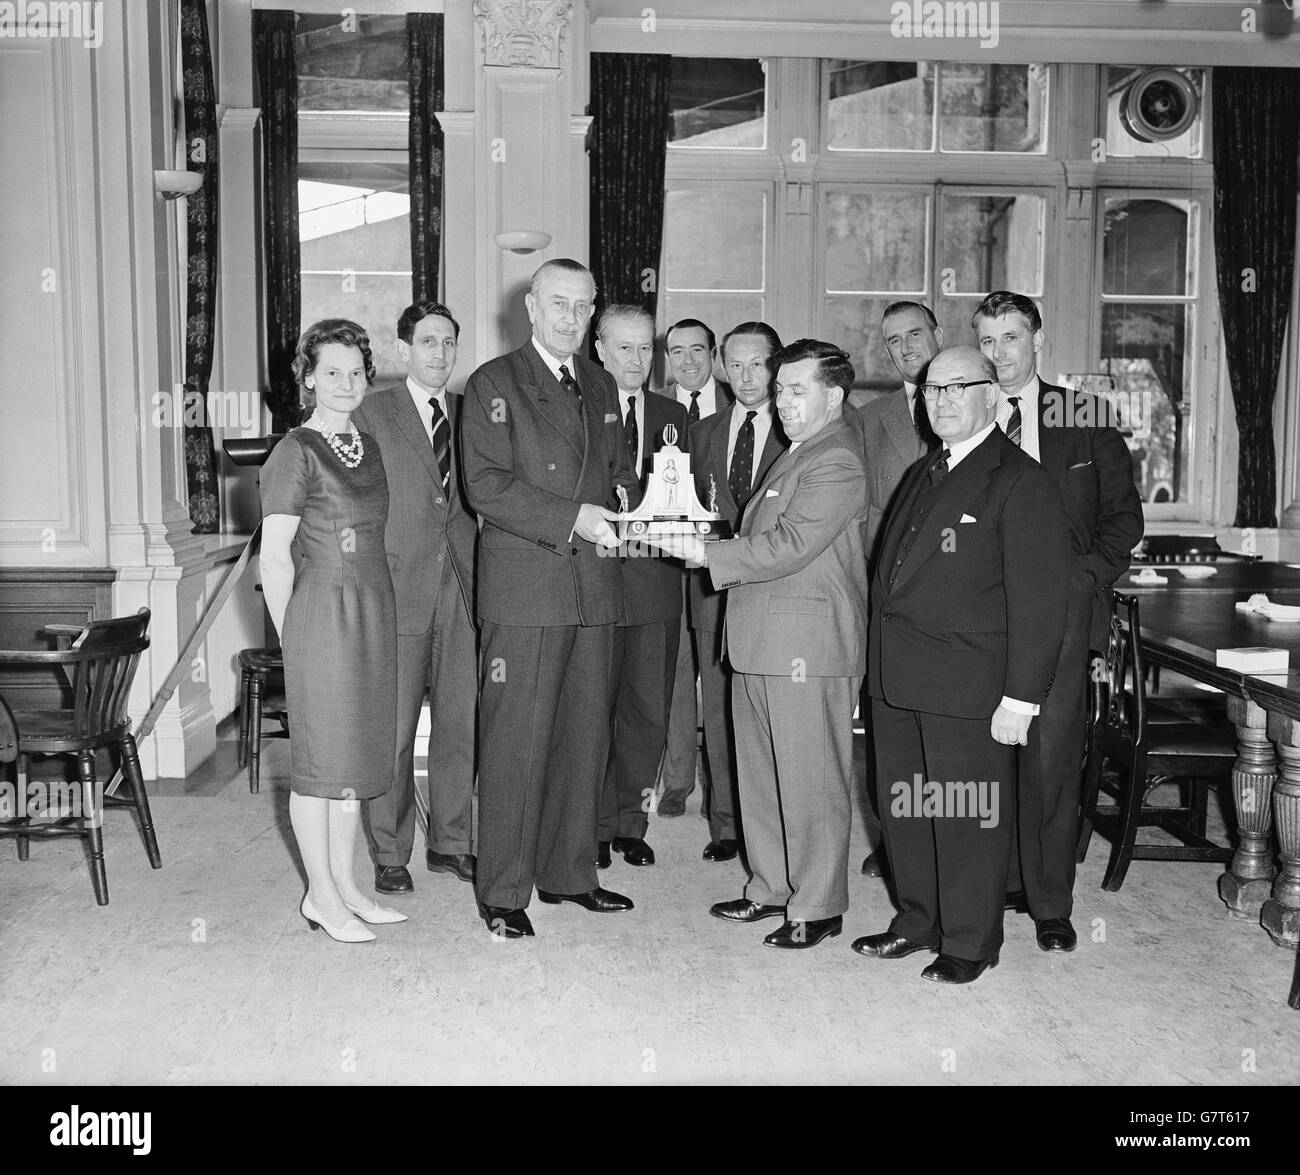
(350, 453)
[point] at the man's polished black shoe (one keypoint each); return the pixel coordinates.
(598, 901)
(504, 923)
(1056, 934)
(721, 850)
(460, 864)
(950, 969)
(800, 933)
(743, 910)
(888, 946)
(393, 879)
(635, 851)
(874, 864)
(1017, 901)
(671, 806)
(602, 854)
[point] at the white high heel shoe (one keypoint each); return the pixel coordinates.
(350, 931)
(377, 915)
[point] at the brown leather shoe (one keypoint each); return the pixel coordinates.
(462, 865)
(743, 910)
(598, 901)
(1056, 934)
(800, 933)
(950, 969)
(393, 879)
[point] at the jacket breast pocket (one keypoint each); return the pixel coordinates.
(799, 605)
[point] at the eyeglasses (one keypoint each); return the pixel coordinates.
(951, 392)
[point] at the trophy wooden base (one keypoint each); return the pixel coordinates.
(708, 529)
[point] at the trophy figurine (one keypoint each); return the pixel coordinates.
(670, 505)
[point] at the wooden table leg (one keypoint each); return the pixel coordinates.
(1245, 886)
(1281, 913)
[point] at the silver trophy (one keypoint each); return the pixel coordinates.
(670, 505)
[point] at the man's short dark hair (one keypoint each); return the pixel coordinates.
(899, 308)
(1002, 302)
(691, 324)
(759, 329)
(834, 368)
(416, 313)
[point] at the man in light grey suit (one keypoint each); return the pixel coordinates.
(430, 540)
(796, 638)
(895, 433)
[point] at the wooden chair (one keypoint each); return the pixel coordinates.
(100, 667)
(261, 695)
(1146, 754)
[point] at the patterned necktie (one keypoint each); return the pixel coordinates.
(440, 433)
(567, 381)
(632, 434)
(742, 461)
(693, 412)
(921, 419)
(1014, 423)
(939, 470)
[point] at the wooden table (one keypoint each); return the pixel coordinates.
(1182, 625)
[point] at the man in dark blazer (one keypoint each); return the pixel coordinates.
(543, 456)
(732, 465)
(430, 540)
(967, 613)
(796, 640)
(895, 433)
(690, 349)
(645, 644)
(1071, 435)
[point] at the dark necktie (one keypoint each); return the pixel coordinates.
(567, 381)
(440, 433)
(939, 470)
(693, 412)
(742, 461)
(921, 419)
(632, 434)
(1014, 422)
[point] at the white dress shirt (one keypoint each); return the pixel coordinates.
(1028, 416)
(762, 426)
(956, 454)
(708, 398)
(420, 398)
(553, 364)
(639, 400)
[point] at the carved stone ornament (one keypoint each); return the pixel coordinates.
(523, 32)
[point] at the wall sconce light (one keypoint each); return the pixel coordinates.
(172, 184)
(529, 241)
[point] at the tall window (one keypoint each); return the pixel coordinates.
(814, 193)
(353, 178)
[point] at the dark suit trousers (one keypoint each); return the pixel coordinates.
(643, 672)
(443, 659)
(543, 743)
(683, 719)
(1051, 776)
(794, 765)
(721, 801)
(950, 875)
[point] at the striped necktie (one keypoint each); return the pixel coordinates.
(440, 434)
(1014, 422)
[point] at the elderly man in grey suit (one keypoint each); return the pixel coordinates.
(430, 540)
(895, 433)
(544, 456)
(796, 638)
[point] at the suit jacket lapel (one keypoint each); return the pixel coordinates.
(728, 506)
(1051, 441)
(901, 428)
(960, 489)
(408, 422)
(546, 390)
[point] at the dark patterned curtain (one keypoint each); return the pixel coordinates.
(201, 260)
(424, 67)
(277, 75)
(627, 146)
(1256, 143)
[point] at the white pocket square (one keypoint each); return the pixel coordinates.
(611, 417)
(967, 518)
(772, 494)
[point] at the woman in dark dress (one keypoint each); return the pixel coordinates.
(324, 495)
